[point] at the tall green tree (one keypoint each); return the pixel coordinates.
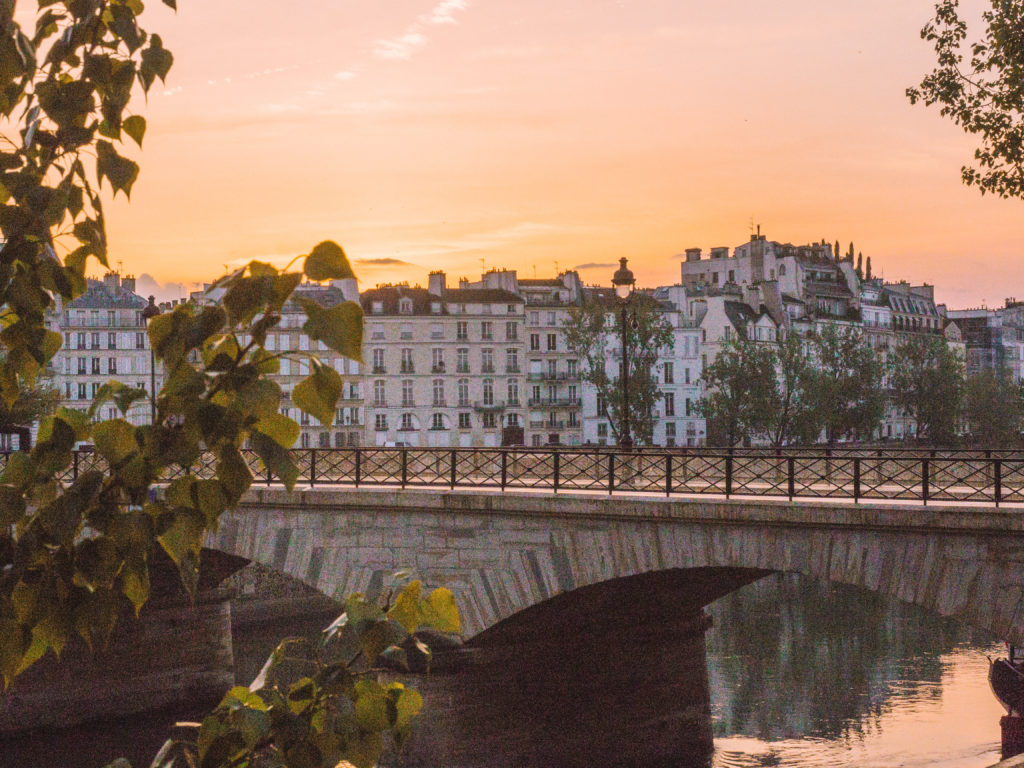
(593, 329)
(847, 383)
(739, 389)
(927, 382)
(993, 409)
(75, 559)
(979, 85)
(791, 413)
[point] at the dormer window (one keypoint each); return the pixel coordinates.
(377, 308)
(405, 306)
(435, 307)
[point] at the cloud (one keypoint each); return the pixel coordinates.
(506, 52)
(403, 47)
(384, 262)
(400, 48)
(147, 285)
(344, 75)
(595, 265)
(443, 11)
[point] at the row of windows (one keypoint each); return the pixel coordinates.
(439, 393)
(82, 340)
(438, 421)
(109, 318)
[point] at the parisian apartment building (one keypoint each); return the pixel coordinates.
(485, 363)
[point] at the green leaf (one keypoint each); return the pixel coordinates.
(406, 610)
(319, 392)
(340, 327)
(371, 711)
(440, 611)
(135, 126)
(327, 261)
(120, 171)
(276, 458)
(115, 440)
(408, 705)
(279, 428)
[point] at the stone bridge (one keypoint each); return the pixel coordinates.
(582, 613)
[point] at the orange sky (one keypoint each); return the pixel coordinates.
(436, 133)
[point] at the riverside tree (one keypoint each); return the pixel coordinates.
(846, 385)
(927, 382)
(980, 87)
(75, 555)
(993, 409)
(791, 414)
(595, 327)
(739, 387)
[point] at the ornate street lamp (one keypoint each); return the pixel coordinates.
(151, 311)
(624, 283)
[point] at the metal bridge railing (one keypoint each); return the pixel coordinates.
(867, 474)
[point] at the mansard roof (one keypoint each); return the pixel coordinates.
(390, 295)
(481, 296)
(99, 296)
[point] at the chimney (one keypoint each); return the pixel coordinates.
(128, 283)
(112, 282)
(752, 297)
(436, 282)
(693, 254)
(463, 283)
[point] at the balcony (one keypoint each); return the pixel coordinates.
(405, 336)
(408, 404)
(552, 376)
(380, 369)
(437, 368)
(495, 405)
(440, 403)
(555, 402)
(437, 334)
(408, 368)
(512, 369)
(485, 368)
(462, 368)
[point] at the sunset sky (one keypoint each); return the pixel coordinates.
(426, 134)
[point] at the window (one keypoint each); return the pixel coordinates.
(111, 341)
(303, 418)
(339, 439)
(325, 439)
(535, 395)
(435, 307)
(488, 391)
(490, 422)
(534, 342)
(436, 331)
(81, 366)
(140, 340)
(94, 337)
(573, 420)
(81, 340)
(668, 370)
(602, 429)
(81, 391)
(511, 331)
(552, 342)
(462, 361)
(485, 309)
(573, 397)
(462, 330)
(670, 433)
(572, 370)
(464, 421)
(686, 375)
(407, 366)
(377, 308)
(534, 318)
(405, 332)
(513, 392)
(512, 360)
(407, 396)
(438, 390)
(112, 365)
(378, 361)
(437, 421)
(407, 423)
(732, 276)
(602, 406)
(95, 366)
(486, 330)
(304, 343)
(487, 361)
(405, 306)
(463, 392)
(379, 396)
(380, 422)
(689, 407)
(67, 390)
(670, 404)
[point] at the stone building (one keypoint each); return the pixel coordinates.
(104, 339)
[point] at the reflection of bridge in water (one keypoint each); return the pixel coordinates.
(583, 611)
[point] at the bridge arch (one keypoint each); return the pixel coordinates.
(506, 553)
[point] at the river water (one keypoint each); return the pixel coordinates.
(802, 674)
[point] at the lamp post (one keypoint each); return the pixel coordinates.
(624, 283)
(151, 311)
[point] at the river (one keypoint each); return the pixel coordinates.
(802, 674)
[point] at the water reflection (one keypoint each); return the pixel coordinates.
(810, 674)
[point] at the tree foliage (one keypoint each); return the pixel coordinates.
(993, 409)
(594, 328)
(927, 382)
(980, 86)
(33, 404)
(846, 385)
(739, 386)
(74, 553)
(791, 414)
